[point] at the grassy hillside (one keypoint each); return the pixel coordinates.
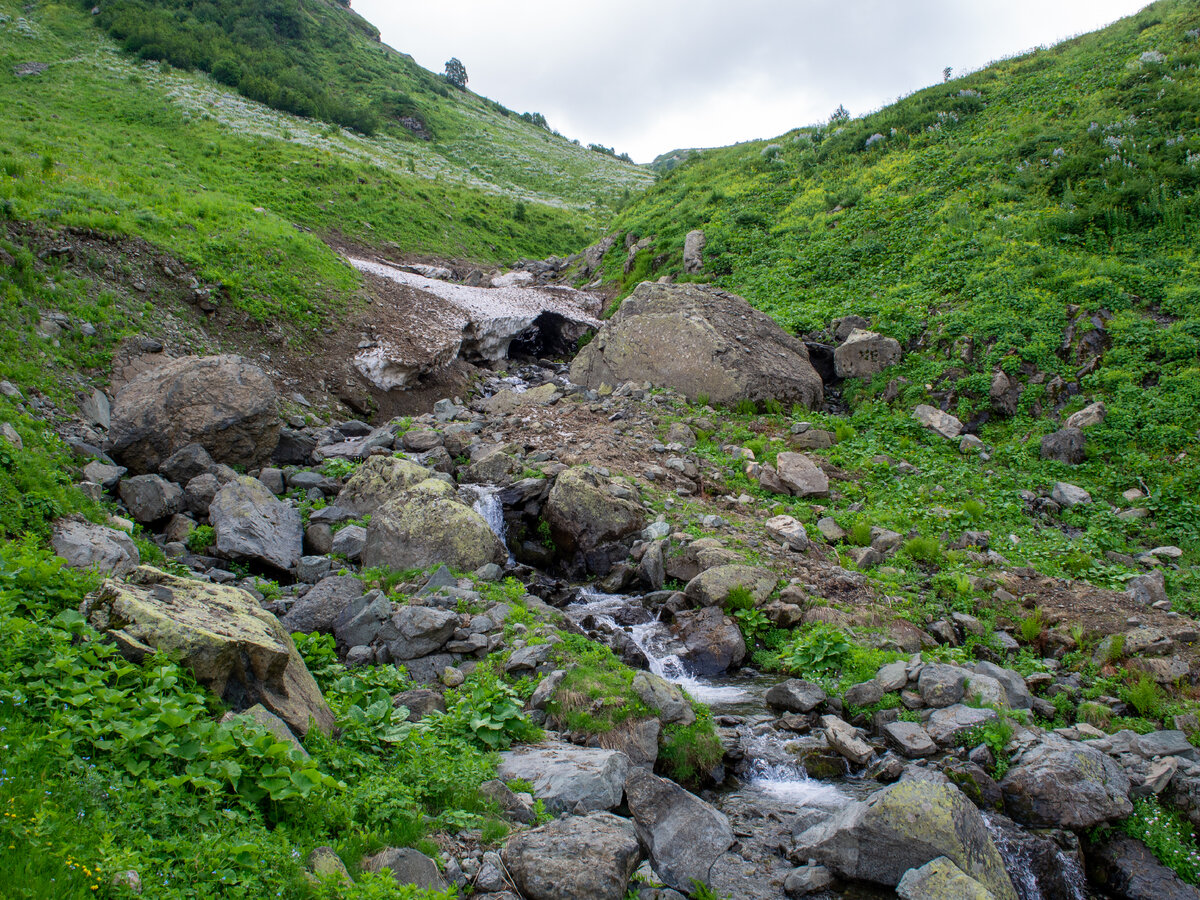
(1038, 218)
(242, 193)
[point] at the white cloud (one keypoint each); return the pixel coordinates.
(646, 77)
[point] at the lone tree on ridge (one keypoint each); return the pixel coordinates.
(456, 73)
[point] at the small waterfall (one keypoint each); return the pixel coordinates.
(1025, 854)
(774, 771)
(487, 504)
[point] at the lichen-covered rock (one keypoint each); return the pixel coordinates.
(84, 545)
(865, 353)
(699, 340)
(941, 879)
(565, 776)
(902, 827)
(378, 480)
(712, 587)
(1065, 784)
(583, 514)
(238, 650)
(224, 403)
(668, 699)
(579, 858)
(252, 523)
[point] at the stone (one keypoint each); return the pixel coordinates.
(941, 685)
(419, 702)
(408, 866)
(377, 481)
(1091, 415)
(943, 423)
(85, 545)
(150, 498)
(1065, 446)
(683, 834)
(188, 462)
(668, 699)
(893, 676)
(863, 694)
(325, 864)
(713, 643)
(800, 476)
(428, 526)
(864, 354)
(807, 880)
(699, 340)
(104, 475)
(693, 252)
(904, 826)
(238, 650)
(789, 532)
(224, 403)
(845, 326)
(830, 530)
(565, 776)
(1061, 784)
(349, 542)
(415, 631)
(844, 739)
(795, 696)
(941, 879)
(712, 587)
(1148, 589)
(1069, 495)
(580, 858)
(312, 569)
(1125, 867)
(320, 608)
(1016, 692)
(252, 523)
(909, 739)
(583, 514)
(947, 725)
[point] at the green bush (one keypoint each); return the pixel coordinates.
(201, 538)
(818, 649)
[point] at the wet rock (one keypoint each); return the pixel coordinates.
(241, 652)
(845, 740)
(683, 834)
(580, 858)
(865, 353)
(795, 696)
(224, 403)
(713, 643)
(699, 340)
(565, 776)
(1125, 868)
(658, 693)
(1060, 783)
(85, 545)
(251, 523)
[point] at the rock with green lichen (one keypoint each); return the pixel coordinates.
(378, 480)
(941, 879)
(584, 515)
(712, 587)
(1065, 784)
(427, 526)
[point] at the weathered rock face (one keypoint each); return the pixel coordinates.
(865, 353)
(408, 866)
(241, 652)
(583, 515)
(565, 776)
(84, 545)
(693, 252)
(1064, 784)
(941, 879)
(1124, 867)
(427, 526)
(221, 402)
(378, 480)
(800, 476)
(713, 644)
(322, 607)
(580, 858)
(902, 827)
(684, 834)
(251, 523)
(712, 587)
(699, 340)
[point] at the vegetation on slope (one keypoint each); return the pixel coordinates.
(1037, 218)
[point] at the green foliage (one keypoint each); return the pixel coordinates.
(818, 649)
(924, 549)
(1031, 627)
(746, 407)
(860, 534)
(201, 538)
(702, 400)
(1167, 835)
(1145, 696)
(995, 735)
(688, 753)
(491, 712)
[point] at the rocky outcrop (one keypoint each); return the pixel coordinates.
(903, 827)
(683, 834)
(580, 858)
(693, 252)
(224, 403)
(1124, 867)
(378, 480)
(565, 776)
(699, 340)
(251, 523)
(1065, 784)
(239, 651)
(85, 545)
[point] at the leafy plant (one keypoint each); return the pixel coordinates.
(201, 538)
(1031, 627)
(818, 649)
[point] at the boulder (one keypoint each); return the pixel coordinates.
(378, 480)
(1065, 446)
(843, 738)
(789, 532)
(699, 340)
(800, 476)
(1064, 784)
(909, 739)
(1124, 867)
(580, 858)
(323, 605)
(565, 776)
(224, 403)
(188, 462)
(252, 523)
(408, 866)
(693, 252)
(349, 542)
(902, 827)
(713, 643)
(943, 423)
(238, 650)
(1148, 589)
(1016, 692)
(712, 587)
(864, 354)
(947, 725)
(668, 699)
(85, 545)
(428, 526)
(942, 685)
(583, 515)
(150, 498)
(1069, 495)
(941, 879)
(258, 715)
(795, 696)
(1093, 414)
(415, 631)
(683, 834)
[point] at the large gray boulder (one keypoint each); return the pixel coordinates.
(224, 403)
(323, 605)
(795, 696)
(713, 643)
(85, 545)
(864, 354)
(251, 523)
(712, 587)
(376, 482)
(800, 476)
(1064, 784)
(684, 835)
(150, 498)
(416, 631)
(565, 776)
(408, 867)
(699, 340)
(902, 827)
(942, 685)
(583, 514)
(579, 858)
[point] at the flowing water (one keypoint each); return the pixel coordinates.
(487, 504)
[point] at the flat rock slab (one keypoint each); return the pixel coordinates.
(565, 776)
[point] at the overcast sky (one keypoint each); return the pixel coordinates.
(648, 76)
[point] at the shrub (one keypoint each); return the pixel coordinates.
(1145, 696)
(1031, 627)
(201, 538)
(818, 649)
(924, 549)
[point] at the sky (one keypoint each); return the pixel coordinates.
(649, 76)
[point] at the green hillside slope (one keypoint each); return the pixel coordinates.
(1037, 218)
